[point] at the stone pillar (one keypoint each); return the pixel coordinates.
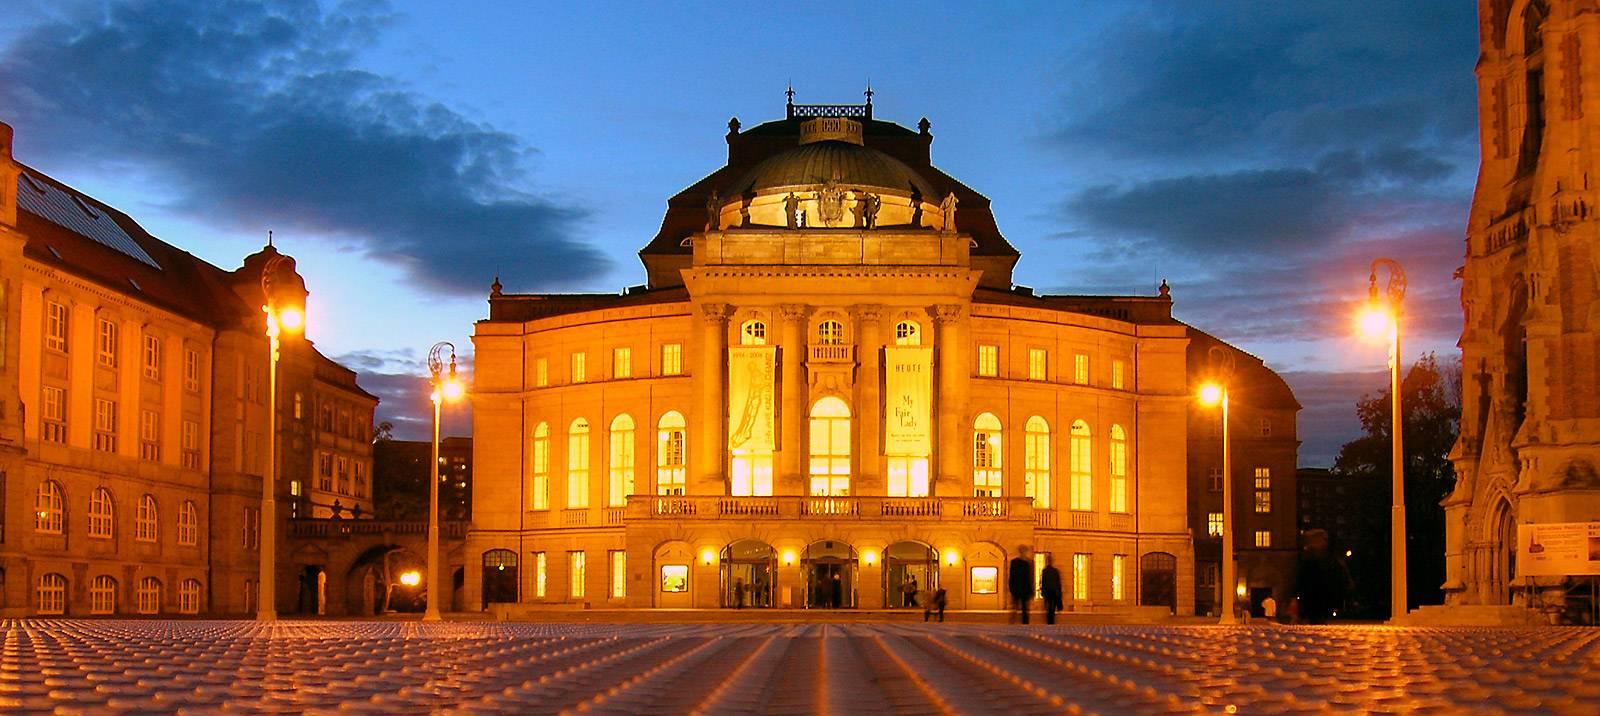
(710, 445)
(868, 409)
(952, 451)
(791, 467)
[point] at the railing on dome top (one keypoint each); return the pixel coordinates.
(853, 111)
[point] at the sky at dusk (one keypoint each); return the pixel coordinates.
(1255, 155)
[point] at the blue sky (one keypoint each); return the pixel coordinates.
(1255, 155)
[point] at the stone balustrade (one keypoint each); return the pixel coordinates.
(802, 507)
(347, 527)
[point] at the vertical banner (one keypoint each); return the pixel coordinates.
(908, 401)
(752, 371)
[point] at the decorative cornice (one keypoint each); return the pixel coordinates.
(947, 313)
(715, 313)
(793, 311)
(868, 312)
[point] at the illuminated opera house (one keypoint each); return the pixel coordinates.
(829, 387)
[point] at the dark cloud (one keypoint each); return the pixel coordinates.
(1328, 420)
(400, 380)
(258, 116)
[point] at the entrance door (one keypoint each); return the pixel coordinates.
(1158, 580)
(499, 577)
(748, 567)
(908, 568)
(829, 569)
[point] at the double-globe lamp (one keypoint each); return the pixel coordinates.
(446, 387)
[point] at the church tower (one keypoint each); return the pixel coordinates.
(1530, 424)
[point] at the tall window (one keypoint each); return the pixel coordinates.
(1263, 489)
(106, 354)
(540, 574)
(191, 370)
(149, 435)
(325, 471)
(987, 477)
(250, 529)
(1118, 562)
(189, 596)
(1118, 380)
(907, 333)
(53, 414)
(188, 524)
(1036, 461)
(575, 573)
(1037, 360)
(1119, 469)
(152, 357)
(360, 469)
(908, 476)
(830, 448)
(620, 466)
(1082, 474)
(672, 359)
(619, 574)
(148, 596)
(103, 595)
(621, 363)
(541, 372)
(102, 514)
(55, 326)
(753, 333)
(830, 333)
(670, 438)
(1214, 479)
(191, 444)
(51, 594)
(144, 520)
(342, 463)
(105, 425)
(988, 360)
(1213, 524)
(540, 497)
(579, 366)
(1080, 577)
(1264, 428)
(1263, 538)
(578, 464)
(752, 474)
(1080, 369)
(47, 508)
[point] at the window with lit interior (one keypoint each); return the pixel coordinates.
(987, 477)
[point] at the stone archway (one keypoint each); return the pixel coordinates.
(374, 584)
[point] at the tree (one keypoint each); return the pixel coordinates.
(1431, 407)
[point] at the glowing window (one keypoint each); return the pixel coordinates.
(985, 580)
(830, 333)
(988, 360)
(908, 476)
(540, 574)
(1080, 369)
(621, 363)
(1119, 469)
(675, 578)
(1038, 361)
(1118, 379)
(1082, 474)
(1214, 524)
(1036, 461)
(620, 466)
(539, 486)
(103, 595)
(47, 507)
(987, 477)
(907, 333)
(1080, 577)
(1118, 561)
(1263, 538)
(577, 568)
(830, 448)
(101, 517)
(579, 367)
(619, 574)
(672, 359)
(753, 333)
(671, 437)
(578, 464)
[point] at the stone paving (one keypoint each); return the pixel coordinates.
(95, 666)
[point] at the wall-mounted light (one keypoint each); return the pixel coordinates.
(870, 557)
(1243, 591)
(951, 557)
(707, 556)
(788, 558)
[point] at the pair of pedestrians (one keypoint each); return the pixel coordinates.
(1019, 582)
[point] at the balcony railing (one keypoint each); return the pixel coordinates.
(322, 527)
(642, 507)
(1083, 520)
(832, 353)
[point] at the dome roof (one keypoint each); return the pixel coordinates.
(844, 163)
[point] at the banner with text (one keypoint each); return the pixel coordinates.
(1558, 549)
(752, 371)
(908, 401)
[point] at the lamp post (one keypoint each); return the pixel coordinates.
(280, 318)
(1383, 319)
(1216, 393)
(445, 387)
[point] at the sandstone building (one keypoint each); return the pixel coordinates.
(828, 387)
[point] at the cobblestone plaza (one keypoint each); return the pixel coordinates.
(73, 666)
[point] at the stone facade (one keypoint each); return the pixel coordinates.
(1530, 426)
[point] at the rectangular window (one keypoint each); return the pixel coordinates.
(1264, 428)
(191, 370)
(675, 578)
(107, 353)
(621, 363)
(1038, 572)
(55, 326)
(672, 359)
(579, 361)
(53, 415)
(1080, 577)
(752, 475)
(578, 470)
(105, 425)
(576, 573)
(540, 499)
(360, 470)
(325, 472)
(1080, 369)
(1214, 524)
(619, 574)
(1263, 489)
(149, 435)
(343, 466)
(1117, 379)
(1037, 359)
(988, 360)
(908, 476)
(540, 574)
(985, 580)
(1214, 479)
(1118, 562)
(541, 372)
(251, 529)
(152, 357)
(1263, 538)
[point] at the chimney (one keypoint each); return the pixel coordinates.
(8, 178)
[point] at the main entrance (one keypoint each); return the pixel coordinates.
(748, 567)
(829, 569)
(908, 568)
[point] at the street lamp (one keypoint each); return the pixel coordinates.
(445, 387)
(1380, 319)
(1216, 393)
(281, 317)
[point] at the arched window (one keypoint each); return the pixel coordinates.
(987, 477)
(189, 596)
(620, 465)
(144, 519)
(102, 518)
(540, 487)
(907, 333)
(149, 596)
(753, 333)
(830, 333)
(670, 439)
(1119, 469)
(830, 448)
(103, 595)
(47, 506)
(51, 594)
(1036, 461)
(188, 524)
(578, 464)
(1082, 477)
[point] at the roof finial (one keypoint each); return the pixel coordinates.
(868, 93)
(1164, 289)
(495, 288)
(790, 94)
(269, 238)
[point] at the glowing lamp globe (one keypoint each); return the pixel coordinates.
(1211, 394)
(1376, 321)
(291, 319)
(452, 389)
(411, 578)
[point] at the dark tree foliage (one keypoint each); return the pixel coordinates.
(1431, 415)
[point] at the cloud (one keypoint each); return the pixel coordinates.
(257, 116)
(1328, 420)
(400, 379)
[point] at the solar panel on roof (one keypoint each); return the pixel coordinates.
(73, 214)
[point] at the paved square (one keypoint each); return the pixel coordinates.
(390, 667)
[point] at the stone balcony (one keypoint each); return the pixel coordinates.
(324, 528)
(691, 507)
(831, 353)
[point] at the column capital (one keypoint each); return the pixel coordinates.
(869, 312)
(793, 311)
(947, 313)
(715, 313)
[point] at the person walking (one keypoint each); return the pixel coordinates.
(1020, 581)
(738, 593)
(908, 592)
(935, 603)
(1269, 608)
(1050, 589)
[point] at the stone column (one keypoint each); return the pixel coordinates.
(710, 445)
(792, 450)
(952, 444)
(868, 410)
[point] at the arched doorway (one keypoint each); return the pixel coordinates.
(1503, 561)
(829, 570)
(376, 581)
(1158, 580)
(748, 569)
(499, 576)
(908, 564)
